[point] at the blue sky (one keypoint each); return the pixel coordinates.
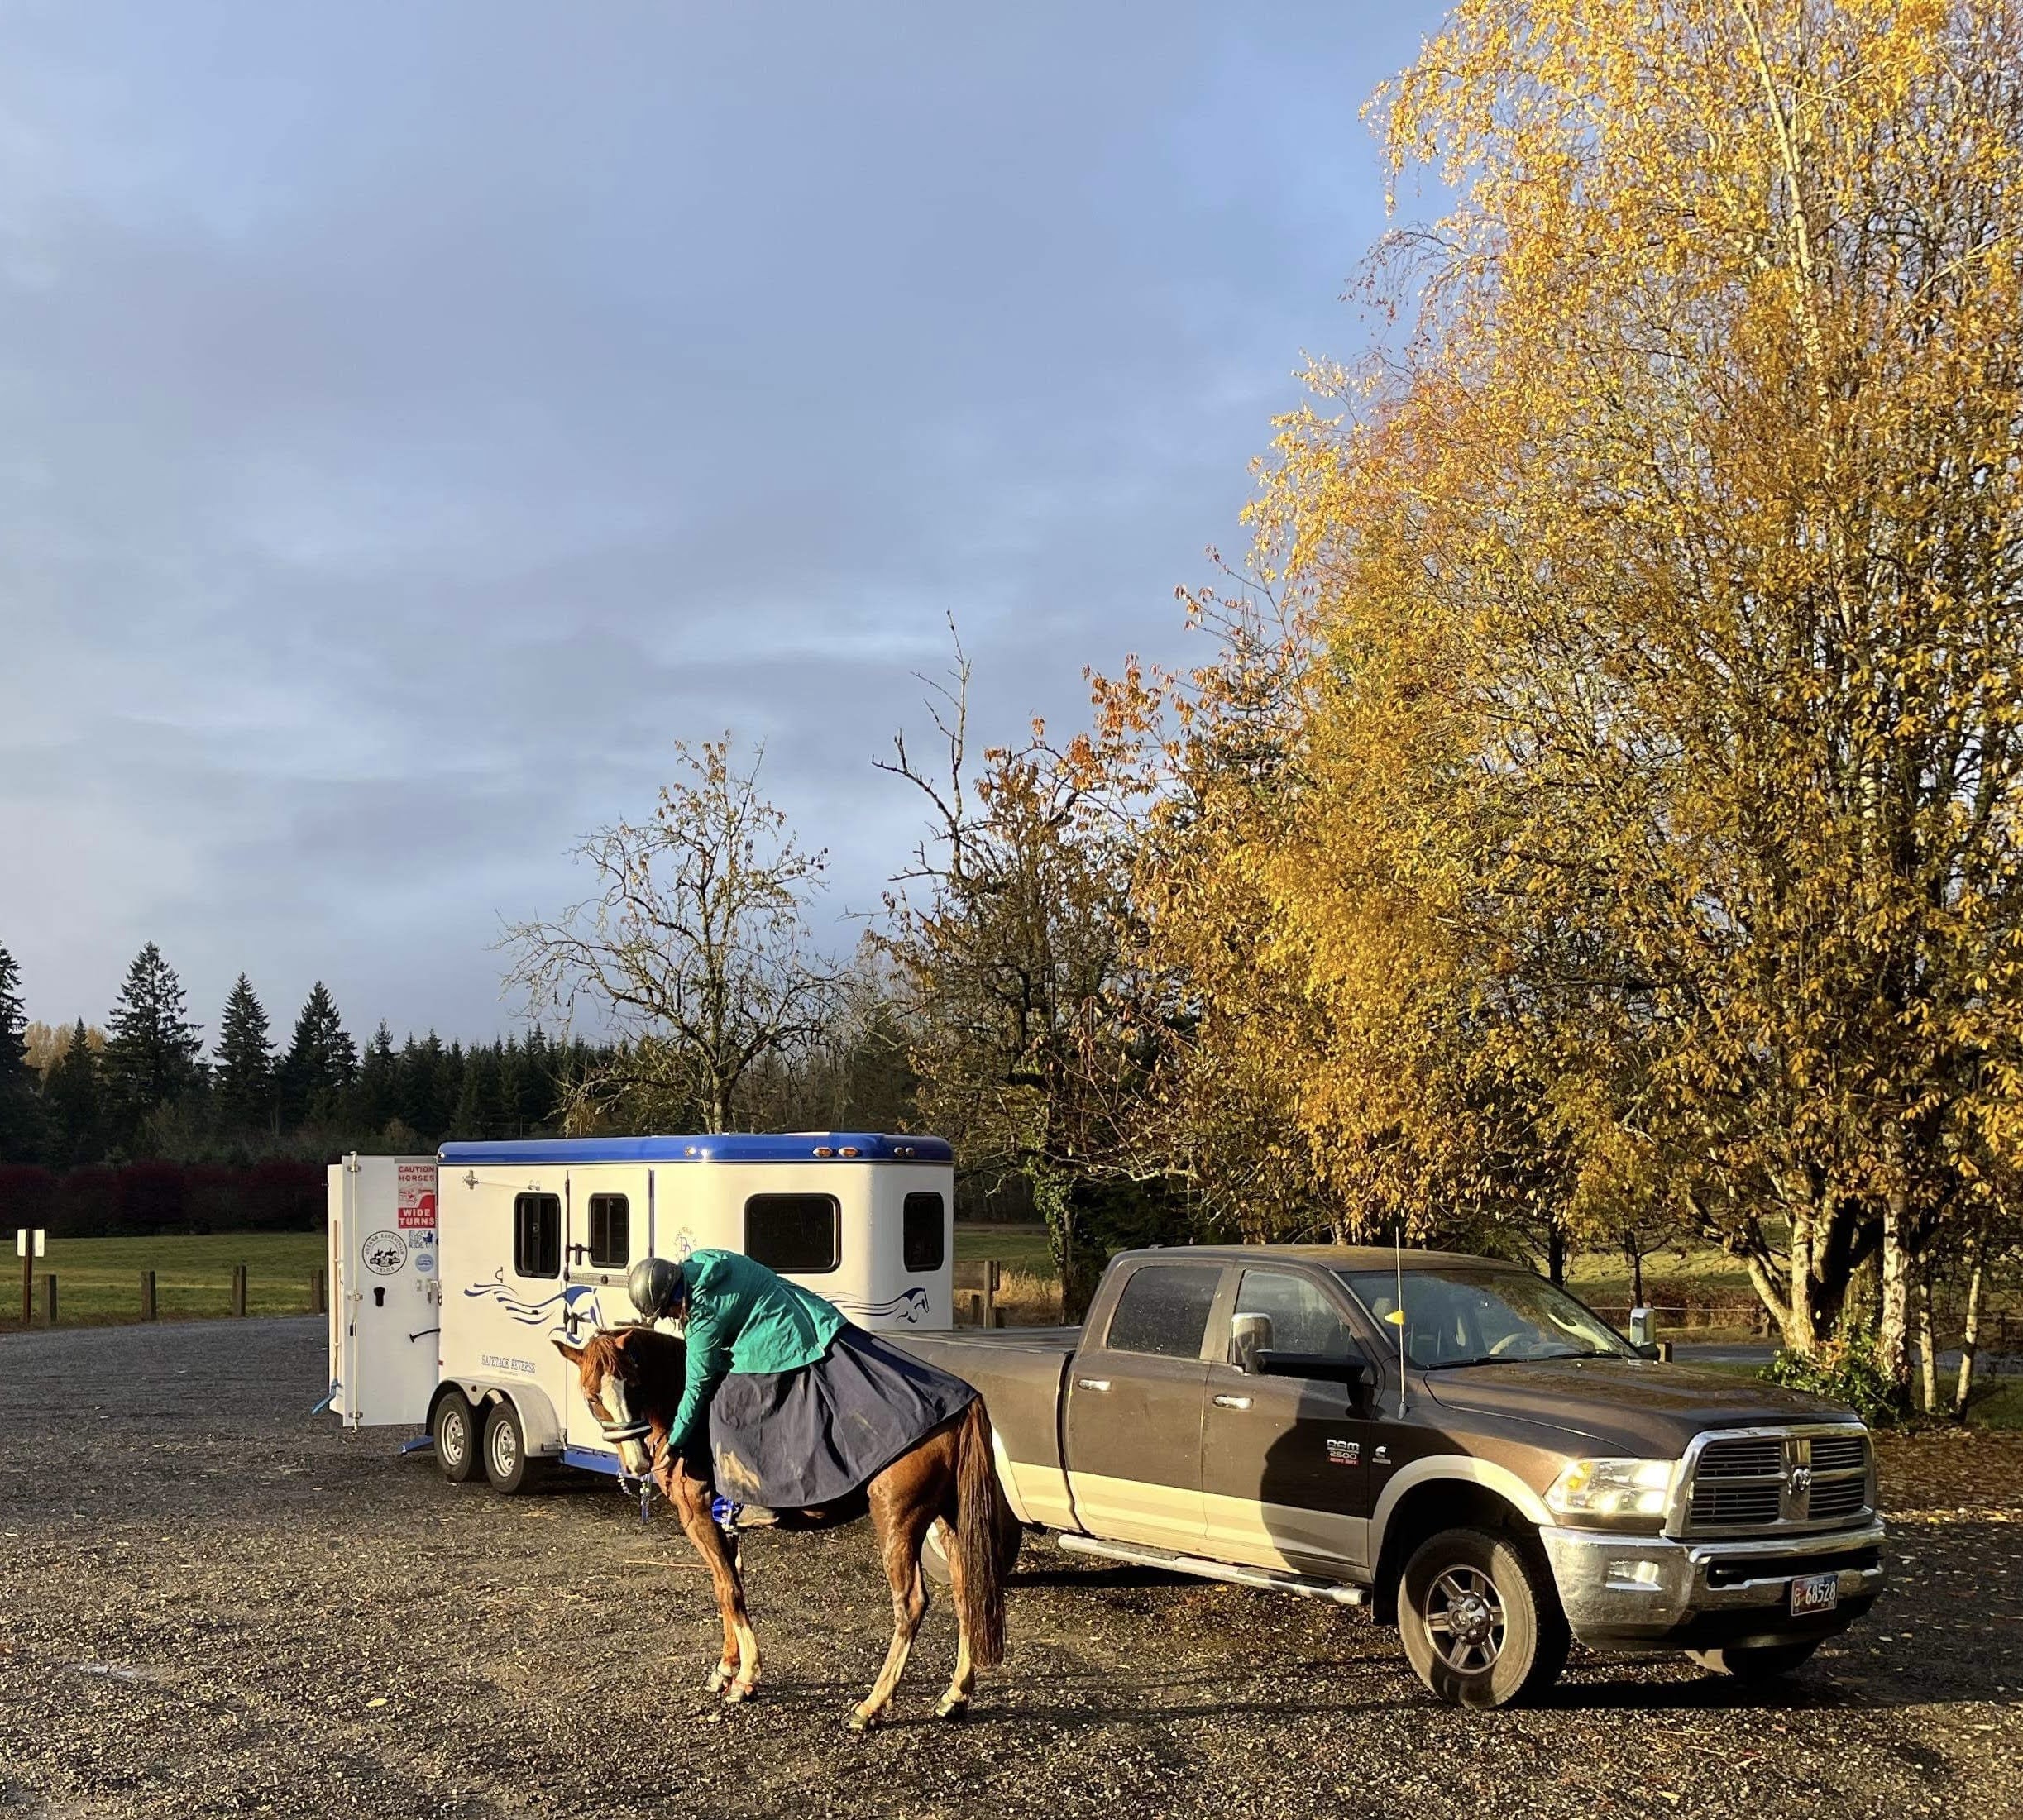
(416, 416)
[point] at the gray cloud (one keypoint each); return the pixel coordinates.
(417, 418)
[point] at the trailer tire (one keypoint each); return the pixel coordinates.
(453, 1426)
(1480, 1618)
(506, 1462)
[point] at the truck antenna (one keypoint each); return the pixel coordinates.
(1398, 1258)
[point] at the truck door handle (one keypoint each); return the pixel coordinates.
(1092, 1383)
(1232, 1403)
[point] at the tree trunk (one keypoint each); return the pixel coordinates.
(1928, 1347)
(1555, 1254)
(1893, 1325)
(1970, 1337)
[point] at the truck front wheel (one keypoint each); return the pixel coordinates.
(1480, 1618)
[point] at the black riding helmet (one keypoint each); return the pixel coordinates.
(656, 1287)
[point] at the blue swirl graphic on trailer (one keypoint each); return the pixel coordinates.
(536, 1314)
(911, 1306)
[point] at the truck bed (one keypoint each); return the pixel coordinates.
(1018, 1372)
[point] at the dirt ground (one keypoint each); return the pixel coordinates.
(211, 1603)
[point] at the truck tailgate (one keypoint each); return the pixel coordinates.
(1018, 1372)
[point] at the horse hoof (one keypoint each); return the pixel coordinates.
(719, 1677)
(740, 1692)
(952, 1709)
(860, 1720)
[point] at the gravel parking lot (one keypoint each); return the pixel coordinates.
(214, 1604)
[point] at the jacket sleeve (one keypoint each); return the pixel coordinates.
(708, 1359)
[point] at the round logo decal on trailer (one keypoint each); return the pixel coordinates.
(385, 1254)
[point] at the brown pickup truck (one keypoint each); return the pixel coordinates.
(1448, 1439)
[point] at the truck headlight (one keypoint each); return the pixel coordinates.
(1610, 1490)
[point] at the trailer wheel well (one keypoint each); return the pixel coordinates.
(1425, 1510)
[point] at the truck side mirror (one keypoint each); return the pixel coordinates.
(1249, 1335)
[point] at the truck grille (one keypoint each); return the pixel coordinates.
(1798, 1478)
(1737, 1503)
(1755, 1458)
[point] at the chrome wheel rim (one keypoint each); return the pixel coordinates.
(1465, 1620)
(455, 1440)
(504, 1452)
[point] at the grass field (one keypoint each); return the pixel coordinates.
(99, 1280)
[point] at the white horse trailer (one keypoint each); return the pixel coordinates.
(452, 1275)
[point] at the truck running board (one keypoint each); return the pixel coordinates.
(1263, 1580)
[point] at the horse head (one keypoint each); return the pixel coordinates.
(625, 1378)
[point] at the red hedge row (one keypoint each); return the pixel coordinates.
(144, 1198)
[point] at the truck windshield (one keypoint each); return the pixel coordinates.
(1463, 1316)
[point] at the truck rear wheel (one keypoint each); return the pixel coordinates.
(454, 1428)
(1480, 1620)
(935, 1553)
(1756, 1662)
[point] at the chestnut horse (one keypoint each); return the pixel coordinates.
(632, 1378)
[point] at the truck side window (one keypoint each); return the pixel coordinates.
(1302, 1319)
(923, 1245)
(797, 1235)
(610, 1232)
(537, 1235)
(1165, 1310)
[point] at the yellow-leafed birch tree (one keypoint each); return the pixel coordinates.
(1660, 794)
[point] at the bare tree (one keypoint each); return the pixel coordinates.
(693, 950)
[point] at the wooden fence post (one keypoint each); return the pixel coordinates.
(49, 1299)
(147, 1295)
(318, 1305)
(982, 1278)
(238, 1289)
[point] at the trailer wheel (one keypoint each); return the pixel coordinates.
(506, 1464)
(1480, 1617)
(454, 1427)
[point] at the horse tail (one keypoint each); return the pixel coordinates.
(982, 1520)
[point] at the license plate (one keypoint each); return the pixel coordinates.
(1814, 1593)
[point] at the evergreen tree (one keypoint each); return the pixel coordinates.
(322, 1061)
(73, 1098)
(421, 1093)
(245, 1082)
(151, 1048)
(376, 1098)
(21, 1105)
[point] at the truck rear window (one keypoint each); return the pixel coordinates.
(1165, 1310)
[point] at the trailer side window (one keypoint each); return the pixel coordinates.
(611, 1232)
(799, 1234)
(922, 1244)
(537, 1235)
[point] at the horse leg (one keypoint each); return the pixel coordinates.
(900, 1533)
(963, 1683)
(737, 1666)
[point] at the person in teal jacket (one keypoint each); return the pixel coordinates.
(801, 1406)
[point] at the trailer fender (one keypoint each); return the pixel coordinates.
(538, 1420)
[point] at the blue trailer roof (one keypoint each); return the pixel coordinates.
(716, 1147)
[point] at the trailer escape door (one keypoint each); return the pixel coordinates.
(385, 1302)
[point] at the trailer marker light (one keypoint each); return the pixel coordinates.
(848, 1150)
(824, 1150)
